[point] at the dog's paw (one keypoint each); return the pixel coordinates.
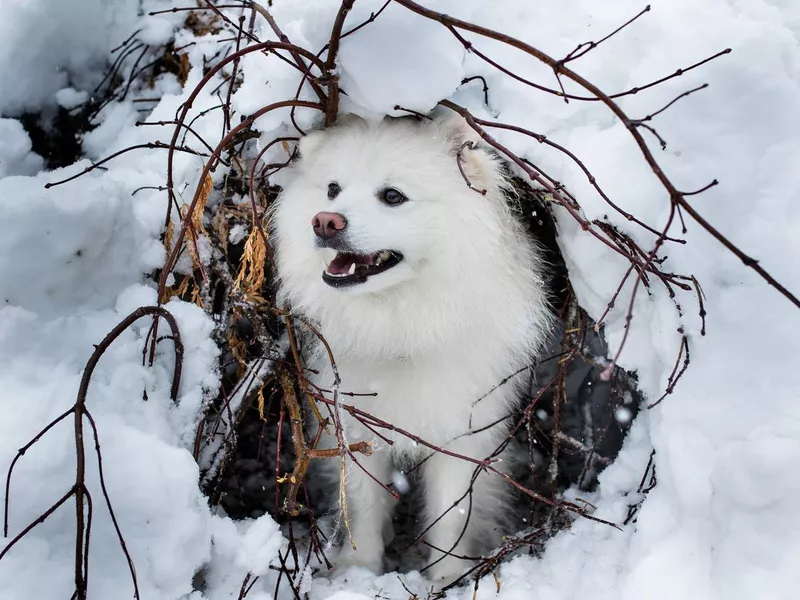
(447, 571)
(348, 558)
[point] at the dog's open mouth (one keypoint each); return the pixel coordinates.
(348, 268)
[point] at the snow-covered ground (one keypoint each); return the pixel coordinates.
(722, 521)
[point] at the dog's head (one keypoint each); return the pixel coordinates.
(373, 206)
(401, 226)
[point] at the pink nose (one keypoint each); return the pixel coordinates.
(328, 224)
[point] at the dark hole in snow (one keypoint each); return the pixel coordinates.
(55, 135)
(589, 437)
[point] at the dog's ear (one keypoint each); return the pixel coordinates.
(349, 119)
(455, 130)
(310, 142)
(478, 163)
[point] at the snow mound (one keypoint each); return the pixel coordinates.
(16, 157)
(400, 61)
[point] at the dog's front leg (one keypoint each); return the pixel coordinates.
(457, 496)
(369, 508)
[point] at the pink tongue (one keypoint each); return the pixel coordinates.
(344, 260)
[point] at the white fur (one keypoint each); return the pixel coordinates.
(463, 310)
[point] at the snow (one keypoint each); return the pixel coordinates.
(722, 520)
(16, 157)
(70, 98)
(237, 234)
(380, 69)
(48, 44)
(623, 415)
(400, 482)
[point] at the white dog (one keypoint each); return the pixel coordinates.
(429, 294)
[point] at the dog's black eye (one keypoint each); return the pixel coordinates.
(392, 197)
(333, 190)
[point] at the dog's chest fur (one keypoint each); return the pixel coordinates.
(437, 399)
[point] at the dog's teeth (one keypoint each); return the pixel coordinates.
(382, 256)
(352, 269)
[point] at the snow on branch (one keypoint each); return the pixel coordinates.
(79, 491)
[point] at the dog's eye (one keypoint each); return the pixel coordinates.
(392, 197)
(333, 190)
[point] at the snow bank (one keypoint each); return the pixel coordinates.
(721, 523)
(49, 44)
(16, 157)
(73, 264)
(380, 69)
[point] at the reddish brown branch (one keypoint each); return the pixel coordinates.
(459, 162)
(246, 123)
(560, 69)
(297, 52)
(466, 80)
(371, 19)
(673, 101)
(110, 508)
(485, 464)
(303, 453)
(19, 455)
(38, 521)
(470, 47)
(331, 78)
(83, 500)
(585, 47)
(187, 105)
(542, 139)
(100, 163)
